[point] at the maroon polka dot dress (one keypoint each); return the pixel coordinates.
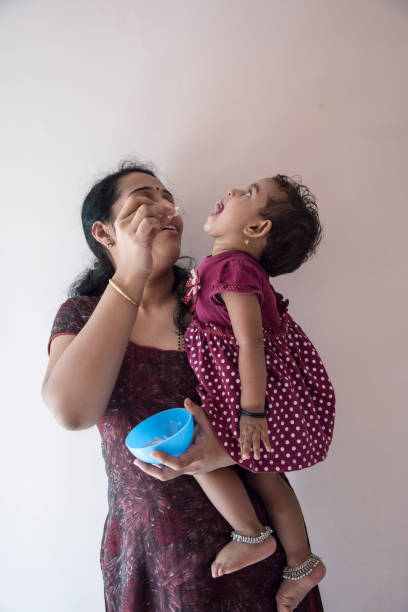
(299, 400)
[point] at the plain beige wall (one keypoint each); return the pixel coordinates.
(217, 94)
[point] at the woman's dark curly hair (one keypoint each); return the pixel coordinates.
(296, 230)
(97, 206)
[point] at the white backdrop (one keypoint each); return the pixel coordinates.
(217, 93)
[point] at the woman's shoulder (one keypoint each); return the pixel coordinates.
(74, 312)
(82, 304)
(72, 315)
(84, 301)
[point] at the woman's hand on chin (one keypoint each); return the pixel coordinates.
(205, 453)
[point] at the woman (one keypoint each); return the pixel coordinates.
(116, 357)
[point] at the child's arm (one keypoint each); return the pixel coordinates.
(245, 316)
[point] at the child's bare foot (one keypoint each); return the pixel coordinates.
(291, 592)
(236, 555)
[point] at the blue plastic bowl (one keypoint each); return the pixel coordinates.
(170, 431)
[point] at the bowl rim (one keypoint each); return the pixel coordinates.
(157, 444)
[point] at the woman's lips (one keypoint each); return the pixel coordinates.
(170, 228)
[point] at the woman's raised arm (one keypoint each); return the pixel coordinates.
(83, 369)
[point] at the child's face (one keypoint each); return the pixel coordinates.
(239, 209)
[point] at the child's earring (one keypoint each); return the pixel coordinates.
(246, 242)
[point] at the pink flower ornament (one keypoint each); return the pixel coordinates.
(193, 286)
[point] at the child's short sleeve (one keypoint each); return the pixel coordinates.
(237, 275)
(68, 320)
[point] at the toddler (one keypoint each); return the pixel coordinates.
(262, 384)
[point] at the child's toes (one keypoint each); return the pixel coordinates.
(215, 569)
(284, 608)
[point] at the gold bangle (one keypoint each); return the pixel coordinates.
(119, 290)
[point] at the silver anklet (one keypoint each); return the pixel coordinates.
(248, 540)
(302, 570)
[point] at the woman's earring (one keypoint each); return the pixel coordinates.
(109, 244)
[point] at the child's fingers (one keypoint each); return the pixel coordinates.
(265, 440)
(245, 441)
(256, 444)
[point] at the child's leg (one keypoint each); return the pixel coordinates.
(227, 493)
(286, 516)
(285, 513)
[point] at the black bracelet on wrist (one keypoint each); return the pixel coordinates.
(254, 415)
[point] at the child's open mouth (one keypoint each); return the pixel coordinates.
(219, 207)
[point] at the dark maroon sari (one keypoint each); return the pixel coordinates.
(160, 537)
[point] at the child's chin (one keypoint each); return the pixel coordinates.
(210, 225)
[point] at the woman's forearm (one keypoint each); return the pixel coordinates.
(81, 381)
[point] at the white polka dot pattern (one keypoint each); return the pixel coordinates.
(299, 398)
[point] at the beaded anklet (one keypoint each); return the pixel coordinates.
(302, 570)
(248, 540)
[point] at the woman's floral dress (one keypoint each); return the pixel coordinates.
(160, 537)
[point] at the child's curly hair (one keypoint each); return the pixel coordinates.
(296, 230)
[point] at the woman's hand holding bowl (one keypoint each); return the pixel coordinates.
(205, 453)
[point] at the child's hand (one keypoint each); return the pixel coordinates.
(251, 432)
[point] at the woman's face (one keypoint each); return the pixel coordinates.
(145, 189)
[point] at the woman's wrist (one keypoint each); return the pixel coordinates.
(216, 456)
(226, 460)
(131, 284)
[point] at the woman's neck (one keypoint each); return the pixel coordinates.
(158, 290)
